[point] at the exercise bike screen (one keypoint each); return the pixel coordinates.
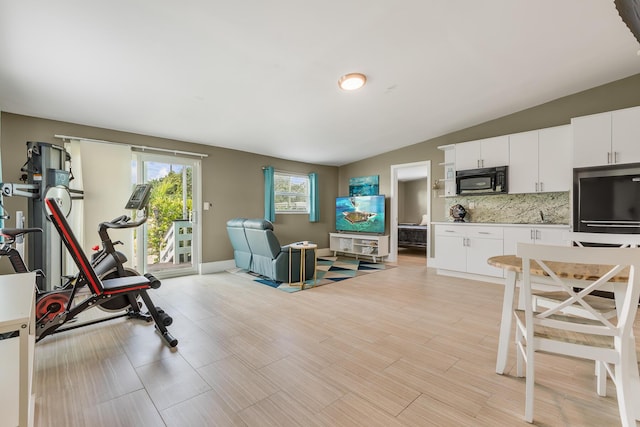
(140, 197)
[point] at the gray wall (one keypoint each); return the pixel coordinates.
(232, 180)
(412, 200)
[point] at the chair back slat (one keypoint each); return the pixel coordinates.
(623, 262)
(621, 240)
(70, 241)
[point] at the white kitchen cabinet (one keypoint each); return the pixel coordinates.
(523, 162)
(465, 249)
(483, 153)
(540, 160)
(555, 169)
(606, 138)
(542, 235)
(625, 135)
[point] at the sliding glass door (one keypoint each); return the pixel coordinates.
(170, 243)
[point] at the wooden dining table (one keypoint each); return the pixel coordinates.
(512, 265)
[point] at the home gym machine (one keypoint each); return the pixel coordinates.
(44, 175)
(110, 286)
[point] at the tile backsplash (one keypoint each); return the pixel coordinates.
(514, 208)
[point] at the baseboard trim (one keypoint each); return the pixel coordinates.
(478, 277)
(216, 266)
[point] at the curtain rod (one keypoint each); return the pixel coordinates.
(137, 147)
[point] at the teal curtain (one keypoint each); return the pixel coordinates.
(314, 199)
(269, 198)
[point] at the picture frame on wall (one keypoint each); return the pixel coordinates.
(364, 186)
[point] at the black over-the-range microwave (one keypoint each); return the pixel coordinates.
(482, 181)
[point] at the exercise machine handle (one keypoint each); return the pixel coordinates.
(122, 222)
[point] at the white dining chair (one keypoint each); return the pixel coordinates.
(608, 341)
(605, 306)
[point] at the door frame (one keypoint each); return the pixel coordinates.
(196, 242)
(393, 205)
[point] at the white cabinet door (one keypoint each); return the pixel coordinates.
(552, 236)
(531, 234)
(466, 248)
(591, 140)
(451, 253)
(555, 171)
(479, 251)
(484, 153)
(494, 151)
(523, 162)
(513, 235)
(625, 135)
(467, 155)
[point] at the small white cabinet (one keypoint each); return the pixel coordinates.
(542, 235)
(540, 160)
(606, 138)
(483, 153)
(359, 244)
(466, 248)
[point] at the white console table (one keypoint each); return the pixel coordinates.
(17, 293)
(359, 244)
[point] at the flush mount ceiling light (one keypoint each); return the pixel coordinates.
(352, 81)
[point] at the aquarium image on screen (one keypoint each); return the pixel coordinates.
(360, 214)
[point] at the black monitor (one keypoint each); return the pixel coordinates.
(139, 198)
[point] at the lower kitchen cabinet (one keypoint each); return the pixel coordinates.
(536, 235)
(464, 248)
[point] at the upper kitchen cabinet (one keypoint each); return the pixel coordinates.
(484, 153)
(540, 160)
(606, 138)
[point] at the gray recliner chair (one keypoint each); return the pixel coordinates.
(257, 249)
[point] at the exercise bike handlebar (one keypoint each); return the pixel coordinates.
(122, 222)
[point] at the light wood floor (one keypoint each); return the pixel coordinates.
(403, 347)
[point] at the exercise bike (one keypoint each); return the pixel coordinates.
(103, 282)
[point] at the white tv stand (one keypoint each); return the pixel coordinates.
(359, 244)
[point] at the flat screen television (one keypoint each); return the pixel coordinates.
(360, 214)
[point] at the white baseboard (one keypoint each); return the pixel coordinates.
(216, 266)
(461, 275)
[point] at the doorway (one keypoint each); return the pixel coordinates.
(419, 172)
(170, 244)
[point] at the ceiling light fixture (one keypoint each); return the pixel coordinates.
(352, 81)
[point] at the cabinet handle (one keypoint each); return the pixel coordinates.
(537, 234)
(484, 232)
(615, 157)
(449, 231)
(541, 187)
(531, 236)
(608, 157)
(536, 187)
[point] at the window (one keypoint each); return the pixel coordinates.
(291, 193)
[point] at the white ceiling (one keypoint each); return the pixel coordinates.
(261, 76)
